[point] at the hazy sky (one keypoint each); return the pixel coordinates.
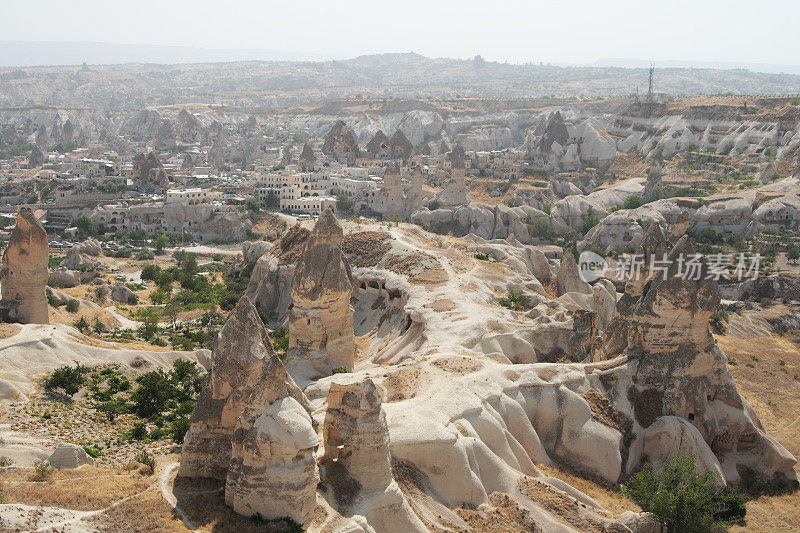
(512, 30)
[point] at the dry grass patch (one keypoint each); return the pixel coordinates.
(145, 512)
(366, 248)
(458, 365)
(401, 384)
(774, 393)
(501, 515)
(611, 499)
(9, 330)
(85, 489)
(561, 506)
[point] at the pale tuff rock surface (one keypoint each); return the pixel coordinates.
(321, 318)
(478, 394)
(677, 371)
(569, 278)
(62, 277)
(69, 456)
(745, 213)
(654, 186)
(357, 456)
(244, 369)
(81, 254)
(25, 274)
(122, 294)
(273, 471)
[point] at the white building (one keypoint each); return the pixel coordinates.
(194, 196)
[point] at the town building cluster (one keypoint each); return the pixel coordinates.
(165, 186)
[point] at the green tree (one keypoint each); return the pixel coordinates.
(150, 271)
(253, 205)
(171, 310)
(149, 328)
(632, 202)
(344, 204)
(153, 393)
(81, 324)
(160, 242)
(86, 226)
(588, 223)
(272, 200)
(69, 379)
(792, 253)
(543, 229)
(571, 244)
(682, 499)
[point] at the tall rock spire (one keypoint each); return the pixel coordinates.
(25, 274)
(321, 319)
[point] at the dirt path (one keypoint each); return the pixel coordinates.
(166, 483)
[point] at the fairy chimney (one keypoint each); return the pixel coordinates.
(25, 273)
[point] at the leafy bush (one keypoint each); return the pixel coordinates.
(515, 300)
(92, 451)
(433, 205)
(340, 370)
(138, 431)
(481, 257)
(632, 202)
(69, 379)
(179, 428)
(150, 271)
(73, 306)
(543, 229)
(719, 320)
(52, 300)
(144, 255)
(42, 470)
(151, 396)
(684, 500)
(280, 338)
(588, 223)
(146, 459)
(344, 204)
(253, 205)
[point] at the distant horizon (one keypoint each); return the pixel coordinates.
(101, 53)
(561, 32)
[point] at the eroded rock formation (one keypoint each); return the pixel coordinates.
(321, 319)
(676, 370)
(273, 471)
(357, 456)
(569, 278)
(25, 273)
(341, 142)
(244, 370)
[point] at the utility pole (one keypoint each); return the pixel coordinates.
(650, 98)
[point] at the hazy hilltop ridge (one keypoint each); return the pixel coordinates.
(409, 75)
